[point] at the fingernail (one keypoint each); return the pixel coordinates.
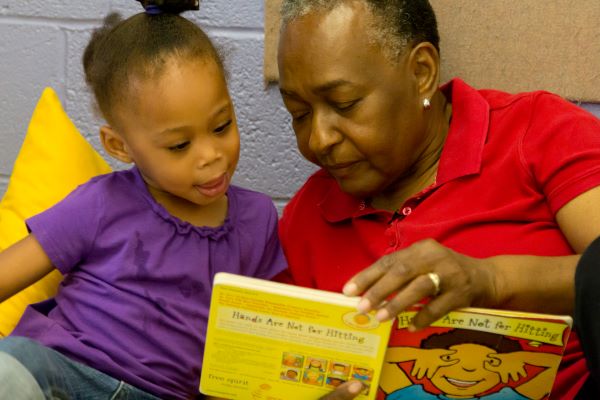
(350, 289)
(355, 387)
(382, 315)
(364, 305)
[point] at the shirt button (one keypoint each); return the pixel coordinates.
(406, 211)
(390, 235)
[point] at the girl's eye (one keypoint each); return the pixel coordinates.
(179, 147)
(297, 117)
(446, 357)
(223, 128)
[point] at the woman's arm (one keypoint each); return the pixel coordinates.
(529, 283)
(546, 284)
(21, 265)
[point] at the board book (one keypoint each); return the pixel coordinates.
(268, 340)
(474, 353)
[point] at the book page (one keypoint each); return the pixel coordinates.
(268, 345)
(474, 353)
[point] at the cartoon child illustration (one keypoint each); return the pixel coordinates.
(289, 374)
(312, 377)
(316, 364)
(334, 381)
(362, 373)
(339, 369)
(292, 360)
(468, 364)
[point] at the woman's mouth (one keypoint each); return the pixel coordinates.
(341, 169)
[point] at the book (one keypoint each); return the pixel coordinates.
(473, 353)
(268, 340)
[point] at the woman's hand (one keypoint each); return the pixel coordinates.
(345, 391)
(403, 279)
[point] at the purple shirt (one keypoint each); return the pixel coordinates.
(135, 297)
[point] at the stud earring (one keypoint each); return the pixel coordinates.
(426, 104)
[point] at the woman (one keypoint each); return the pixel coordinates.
(466, 197)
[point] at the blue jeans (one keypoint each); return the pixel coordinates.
(44, 373)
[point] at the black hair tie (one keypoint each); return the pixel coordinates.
(154, 7)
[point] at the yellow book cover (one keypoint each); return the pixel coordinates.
(268, 340)
(475, 353)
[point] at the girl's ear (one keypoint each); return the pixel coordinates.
(114, 145)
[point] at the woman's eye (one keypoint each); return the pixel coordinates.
(179, 146)
(222, 128)
(446, 357)
(345, 106)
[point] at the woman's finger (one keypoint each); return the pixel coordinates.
(415, 290)
(367, 277)
(436, 309)
(392, 273)
(345, 391)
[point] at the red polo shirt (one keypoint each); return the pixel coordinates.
(510, 162)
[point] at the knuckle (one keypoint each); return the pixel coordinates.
(428, 244)
(423, 284)
(387, 262)
(421, 246)
(431, 242)
(433, 311)
(392, 264)
(399, 270)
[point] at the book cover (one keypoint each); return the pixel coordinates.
(475, 353)
(267, 340)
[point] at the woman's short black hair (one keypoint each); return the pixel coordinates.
(399, 22)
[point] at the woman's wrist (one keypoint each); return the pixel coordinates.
(532, 283)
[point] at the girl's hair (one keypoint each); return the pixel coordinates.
(398, 23)
(139, 47)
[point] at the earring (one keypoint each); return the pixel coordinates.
(426, 104)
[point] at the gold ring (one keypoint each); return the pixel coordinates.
(435, 279)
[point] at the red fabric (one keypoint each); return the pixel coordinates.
(510, 162)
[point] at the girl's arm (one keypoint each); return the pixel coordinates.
(21, 265)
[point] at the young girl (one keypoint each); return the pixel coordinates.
(139, 247)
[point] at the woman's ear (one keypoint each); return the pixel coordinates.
(425, 61)
(114, 144)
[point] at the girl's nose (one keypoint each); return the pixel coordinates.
(206, 153)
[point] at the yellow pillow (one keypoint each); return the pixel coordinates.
(54, 159)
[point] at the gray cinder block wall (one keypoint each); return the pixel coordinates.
(42, 43)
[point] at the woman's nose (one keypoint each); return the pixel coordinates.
(323, 134)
